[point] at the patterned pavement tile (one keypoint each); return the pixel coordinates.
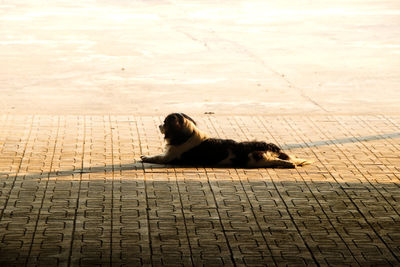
(74, 193)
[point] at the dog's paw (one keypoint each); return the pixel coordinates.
(301, 162)
(159, 159)
(304, 163)
(145, 159)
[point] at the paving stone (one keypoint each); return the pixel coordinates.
(74, 193)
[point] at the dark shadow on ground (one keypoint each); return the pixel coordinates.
(200, 222)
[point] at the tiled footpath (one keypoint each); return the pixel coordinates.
(73, 193)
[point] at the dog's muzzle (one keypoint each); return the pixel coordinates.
(161, 127)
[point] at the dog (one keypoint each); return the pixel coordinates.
(188, 145)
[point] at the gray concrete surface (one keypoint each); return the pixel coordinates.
(242, 57)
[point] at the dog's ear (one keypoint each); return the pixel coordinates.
(187, 117)
(174, 120)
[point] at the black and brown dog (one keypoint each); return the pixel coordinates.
(187, 145)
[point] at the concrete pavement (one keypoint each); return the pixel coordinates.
(152, 57)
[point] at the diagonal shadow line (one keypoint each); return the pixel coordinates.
(143, 167)
(341, 141)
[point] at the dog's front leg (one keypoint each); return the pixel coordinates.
(159, 159)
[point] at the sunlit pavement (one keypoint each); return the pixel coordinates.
(74, 193)
(241, 57)
(84, 84)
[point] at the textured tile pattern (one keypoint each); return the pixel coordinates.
(74, 194)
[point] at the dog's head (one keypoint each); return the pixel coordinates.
(177, 128)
